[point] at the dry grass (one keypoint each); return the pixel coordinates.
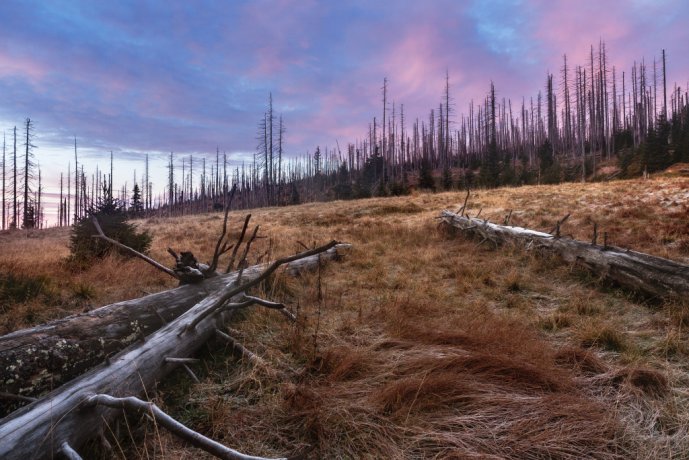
(424, 344)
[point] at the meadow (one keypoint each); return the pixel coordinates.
(420, 343)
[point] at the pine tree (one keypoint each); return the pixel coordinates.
(137, 206)
(111, 215)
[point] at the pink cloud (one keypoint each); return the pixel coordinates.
(20, 66)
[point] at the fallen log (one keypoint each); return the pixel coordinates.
(63, 420)
(652, 276)
(39, 359)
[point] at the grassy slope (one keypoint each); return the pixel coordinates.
(423, 344)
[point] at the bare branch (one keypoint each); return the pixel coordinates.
(217, 252)
(133, 252)
(242, 351)
(242, 261)
(239, 243)
(194, 438)
(68, 452)
(250, 300)
(464, 206)
(5, 395)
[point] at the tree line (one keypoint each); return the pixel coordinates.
(22, 187)
(588, 113)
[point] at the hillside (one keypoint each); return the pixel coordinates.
(420, 343)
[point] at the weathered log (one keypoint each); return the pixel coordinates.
(650, 275)
(67, 416)
(39, 359)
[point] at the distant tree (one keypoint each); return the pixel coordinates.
(371, 173)
(426, 180)
(15, 215)
(294, 195)
(29, 216)
(343, 186)
(447, 177)
(137, 206)
(4, 202)
(28, 221)
(317, 161)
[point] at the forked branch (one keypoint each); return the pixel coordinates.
(219, 248)
(259, 279)
(230, 264)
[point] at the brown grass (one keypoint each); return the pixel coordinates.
(423, 343)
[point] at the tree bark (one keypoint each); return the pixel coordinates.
(643, 273)
(39, 359)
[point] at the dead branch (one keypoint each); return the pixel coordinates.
(133, 252)
(219, 249)
(242, 351)
(68, 452)
(558, 224)
(196, 439)
(230, 264)
(464, 206)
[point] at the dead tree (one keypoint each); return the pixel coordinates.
(650, 275)
(67, 417)
(64, 419)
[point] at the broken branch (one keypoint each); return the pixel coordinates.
(135, 253)
(161, 418)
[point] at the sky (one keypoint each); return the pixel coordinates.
(189, 77)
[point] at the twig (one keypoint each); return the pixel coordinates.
(464, 206)
(242, 351)
(162, 419)
(69, 452)
(242, 262)
(5, 395)
(218, 251)
(239, 243)
(508, 217)
(559, 223)
(134, 252)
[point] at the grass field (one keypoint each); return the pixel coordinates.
(421, 343)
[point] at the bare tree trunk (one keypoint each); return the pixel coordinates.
(639, 272)
(4, 206)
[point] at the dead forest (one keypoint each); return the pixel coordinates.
(588, 114)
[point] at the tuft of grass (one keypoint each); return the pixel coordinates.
(83, 291)
(581, 360)
(514, 282)
(604, 337)
(555, 321)
(644, 379)
(22, 288)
